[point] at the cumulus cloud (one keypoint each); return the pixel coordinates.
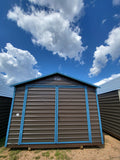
(116, 2)
(117, 16)
(105, 80)
(16, 65)
(103, 21)
(67, 8)
(50, 28)
(106, 52)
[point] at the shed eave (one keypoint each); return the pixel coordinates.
(16, 84)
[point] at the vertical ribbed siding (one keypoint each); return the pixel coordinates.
(110, 112)
(16, 120)
(72, 117)
(95, 127)
(39, 122)
(5, 104)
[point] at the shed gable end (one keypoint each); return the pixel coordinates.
(55, 80)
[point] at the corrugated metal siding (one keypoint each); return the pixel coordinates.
(39, 122)
(55, 80)
(110, 112)
(72, 118)
(5, 104)
(95, 128)
(16, 120)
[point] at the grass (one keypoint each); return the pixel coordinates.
(2, 149)
(13, 154)
(2, 156)
(37, 158)
(52, 157)
(46, 154)
(61, 155)
(37, 151)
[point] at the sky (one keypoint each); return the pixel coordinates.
(79, 38)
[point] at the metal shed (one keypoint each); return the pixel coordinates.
(5, 103)
(55, 111)
(110, 112)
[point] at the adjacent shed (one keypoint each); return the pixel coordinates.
(55, 111)
(110, 112)
(5, 103)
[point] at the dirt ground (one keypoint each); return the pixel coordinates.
(110, 151)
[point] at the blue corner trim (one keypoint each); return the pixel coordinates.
(88, 116)
(56, 116)
(102, 140)
(10, 116)
(23, 116)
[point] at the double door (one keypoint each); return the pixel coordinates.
(55, 115)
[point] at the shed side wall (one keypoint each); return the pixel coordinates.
(110, 112)
(94, 120)
(16, 120)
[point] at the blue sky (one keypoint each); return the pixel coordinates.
(79, 38)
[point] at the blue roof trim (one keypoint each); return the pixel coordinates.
(16, 84)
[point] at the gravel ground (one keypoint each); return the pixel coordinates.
(110, 151)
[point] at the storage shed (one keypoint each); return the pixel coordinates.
(55, 111)
(5, 103)
(110, 112)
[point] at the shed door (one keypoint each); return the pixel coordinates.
(39, 119)
(72, 115)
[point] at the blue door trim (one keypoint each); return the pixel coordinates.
(56, 115)
(10, 116)
(23, 116)
(102, 140)
(88, 116)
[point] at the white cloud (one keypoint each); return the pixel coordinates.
(103, 21)
(117, 16)
(16, 65)
(116, 2)
(107, 79)
(111, 49)
(50, 30)
(67, 8)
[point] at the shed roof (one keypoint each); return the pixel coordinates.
(112, 85)
(57, 73)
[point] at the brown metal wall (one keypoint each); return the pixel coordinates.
(110, 112)
(16, 120)
(72, 117)
(33, 113)
(95, 128)
(5, 104)
(39, 122)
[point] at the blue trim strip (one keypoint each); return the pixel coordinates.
(102, 140)
(88, 116)
(23, 116)
(56, 116)
(10, 116)
(57, 143)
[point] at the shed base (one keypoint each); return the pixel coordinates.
(55, 146)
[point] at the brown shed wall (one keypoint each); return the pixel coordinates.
(5, 104)
(110, 112)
